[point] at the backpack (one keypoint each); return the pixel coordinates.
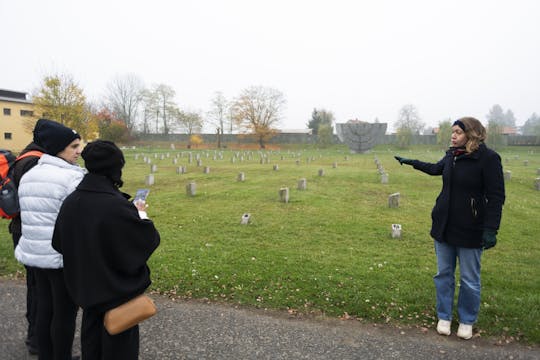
(9, 200)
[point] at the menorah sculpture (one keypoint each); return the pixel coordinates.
(360, 136)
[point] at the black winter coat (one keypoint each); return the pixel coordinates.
(471, 198)
(105, 244)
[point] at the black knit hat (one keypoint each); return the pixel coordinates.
(104, 158)
(52, 136)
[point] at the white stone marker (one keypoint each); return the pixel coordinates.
(302, 184)
(206, 170)
(384, 178)
(245, 219)
(396, 231)
(284, 194)
(321, 172)
(276, 167)
(149, 180)
(393, 200)
(507, 175)
(240, 177)
(153, 168)
(191, 189)
(537, 184)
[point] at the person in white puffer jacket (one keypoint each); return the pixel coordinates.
(41, 191)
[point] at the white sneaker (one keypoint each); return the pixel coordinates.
(443, 327)
(464, 331)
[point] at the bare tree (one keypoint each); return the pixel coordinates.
(218, 113)
(408, 124)
(192, 122)
(124, 94)
(258, 110)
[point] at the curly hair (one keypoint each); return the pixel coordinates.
(475, 132)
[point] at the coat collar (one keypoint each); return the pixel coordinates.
(99, 183)
(474, 155)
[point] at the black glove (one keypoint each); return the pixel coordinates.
(403, 160)
(489, 238)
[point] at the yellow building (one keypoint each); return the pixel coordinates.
(16, 119)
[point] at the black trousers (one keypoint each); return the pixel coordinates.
(56, 315)
(31, 307)
(31, 300)
(97, 344)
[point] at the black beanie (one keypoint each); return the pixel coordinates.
(104, 158)
(52, 136)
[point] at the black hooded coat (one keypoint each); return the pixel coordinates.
(105, 244)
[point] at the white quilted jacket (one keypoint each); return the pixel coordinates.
(41, 193)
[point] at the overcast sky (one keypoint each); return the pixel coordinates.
(359, 59)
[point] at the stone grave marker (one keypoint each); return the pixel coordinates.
(245, 219)
(206, 170)
(321, 172)
(537, 184)
(507, 175)
(149, 180)
(302, 184)
(241, 177)
(284, 194)
(153, 168)
(276, 167)
(191, 189)
(396, 231)
(393, 200)
(384, 178)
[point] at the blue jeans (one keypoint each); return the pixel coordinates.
(469, 290)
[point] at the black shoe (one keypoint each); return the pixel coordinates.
(76, 357)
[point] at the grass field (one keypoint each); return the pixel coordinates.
(328, 251)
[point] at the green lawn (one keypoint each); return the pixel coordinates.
(329, 249)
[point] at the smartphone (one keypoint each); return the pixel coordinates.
(141, 194)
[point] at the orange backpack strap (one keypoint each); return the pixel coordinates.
(28, 154)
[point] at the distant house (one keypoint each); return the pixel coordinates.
(15, 109)
(296, 131)
(509, 130)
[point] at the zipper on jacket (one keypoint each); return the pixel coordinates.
(473, 208)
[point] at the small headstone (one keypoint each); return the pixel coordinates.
(537, 184)
(161, 157)
(384, 178)
(191, 189)
(393, 200)
(302, 184)
(396, 231)
(199, 162)
(297, 162)
(240, 177)
(206, 170)
(276, 167)
(181, 170)
(525, 162)
(153, 168)
(507, 175)
(149, 180)
(245, 219)
(334, 165)
(321, 172)
(173, 147)
(136, 156)
(175, 161)
(284, 194)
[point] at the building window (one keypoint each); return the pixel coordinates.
(27, 113)
(7, 136)
(7, 111)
